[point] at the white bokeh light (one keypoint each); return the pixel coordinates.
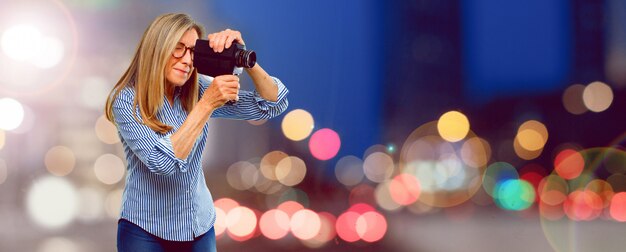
(12, 114)
(49, 52)
(28, 121)
(18, 42)
(52, 202)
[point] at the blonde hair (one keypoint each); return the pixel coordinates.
(147, 73)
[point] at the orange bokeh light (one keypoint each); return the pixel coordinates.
(569, 164)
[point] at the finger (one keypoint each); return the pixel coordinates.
(228, 77)
(229, 41)
(211, 39)
(220, 43)
(239, 38)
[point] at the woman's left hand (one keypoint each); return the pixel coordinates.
(224, 39)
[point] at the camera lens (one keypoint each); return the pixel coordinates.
(245, 58)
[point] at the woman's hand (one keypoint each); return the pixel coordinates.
(224, 39)
(224, 88)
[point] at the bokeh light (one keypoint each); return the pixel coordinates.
(349, 170)
(290, 207)
(523, 153)
(220, 222)
(223, 206)
(327, 231)
(361, 221)
(514, 194)
(52, 202)
(532, 135)
(50, 51)
(60, 160)
(573, 99)
(18, 41)
(498, 173)
(242, 175)
(597, 96)
(553, 190)
(324, 144)
(378, 167)
(269, 162)
(109, 169)
(28, 122)
(382, 194)
(274, 224)
(371, 226)
(305, 224)
(453, 126)
(290, 171)
(12, 114)
(241, 221)
(267, 186)
(618, 207)
(569, 164)
(297, 124)
(404, 189)
(476, 152)
(346, 226)
(445, 179)
(24, 41)
(582, 205)
(106, 131)
(603, 189)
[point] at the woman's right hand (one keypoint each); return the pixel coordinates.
(224, 88)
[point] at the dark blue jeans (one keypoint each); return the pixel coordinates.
(132, 238)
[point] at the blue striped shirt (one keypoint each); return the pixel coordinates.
(165, 195)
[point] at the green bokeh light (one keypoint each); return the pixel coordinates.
(514, 194)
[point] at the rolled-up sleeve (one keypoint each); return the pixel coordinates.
(251, 106)
(154, 150)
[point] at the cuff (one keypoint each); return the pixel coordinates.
(265, 104)
(165, 145)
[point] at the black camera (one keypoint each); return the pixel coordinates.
(229, 61)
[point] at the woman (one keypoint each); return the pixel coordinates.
(161, 107)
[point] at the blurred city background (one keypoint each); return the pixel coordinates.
(419, 125)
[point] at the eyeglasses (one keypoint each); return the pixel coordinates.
(181, 50)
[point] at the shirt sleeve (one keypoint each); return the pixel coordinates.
(251, 106)
(154, 150)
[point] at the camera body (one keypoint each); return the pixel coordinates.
(230, 61)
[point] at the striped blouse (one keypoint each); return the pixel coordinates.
(165, 195)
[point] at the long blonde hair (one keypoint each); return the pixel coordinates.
(146, 73)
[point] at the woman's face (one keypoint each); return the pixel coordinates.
(178, 70)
